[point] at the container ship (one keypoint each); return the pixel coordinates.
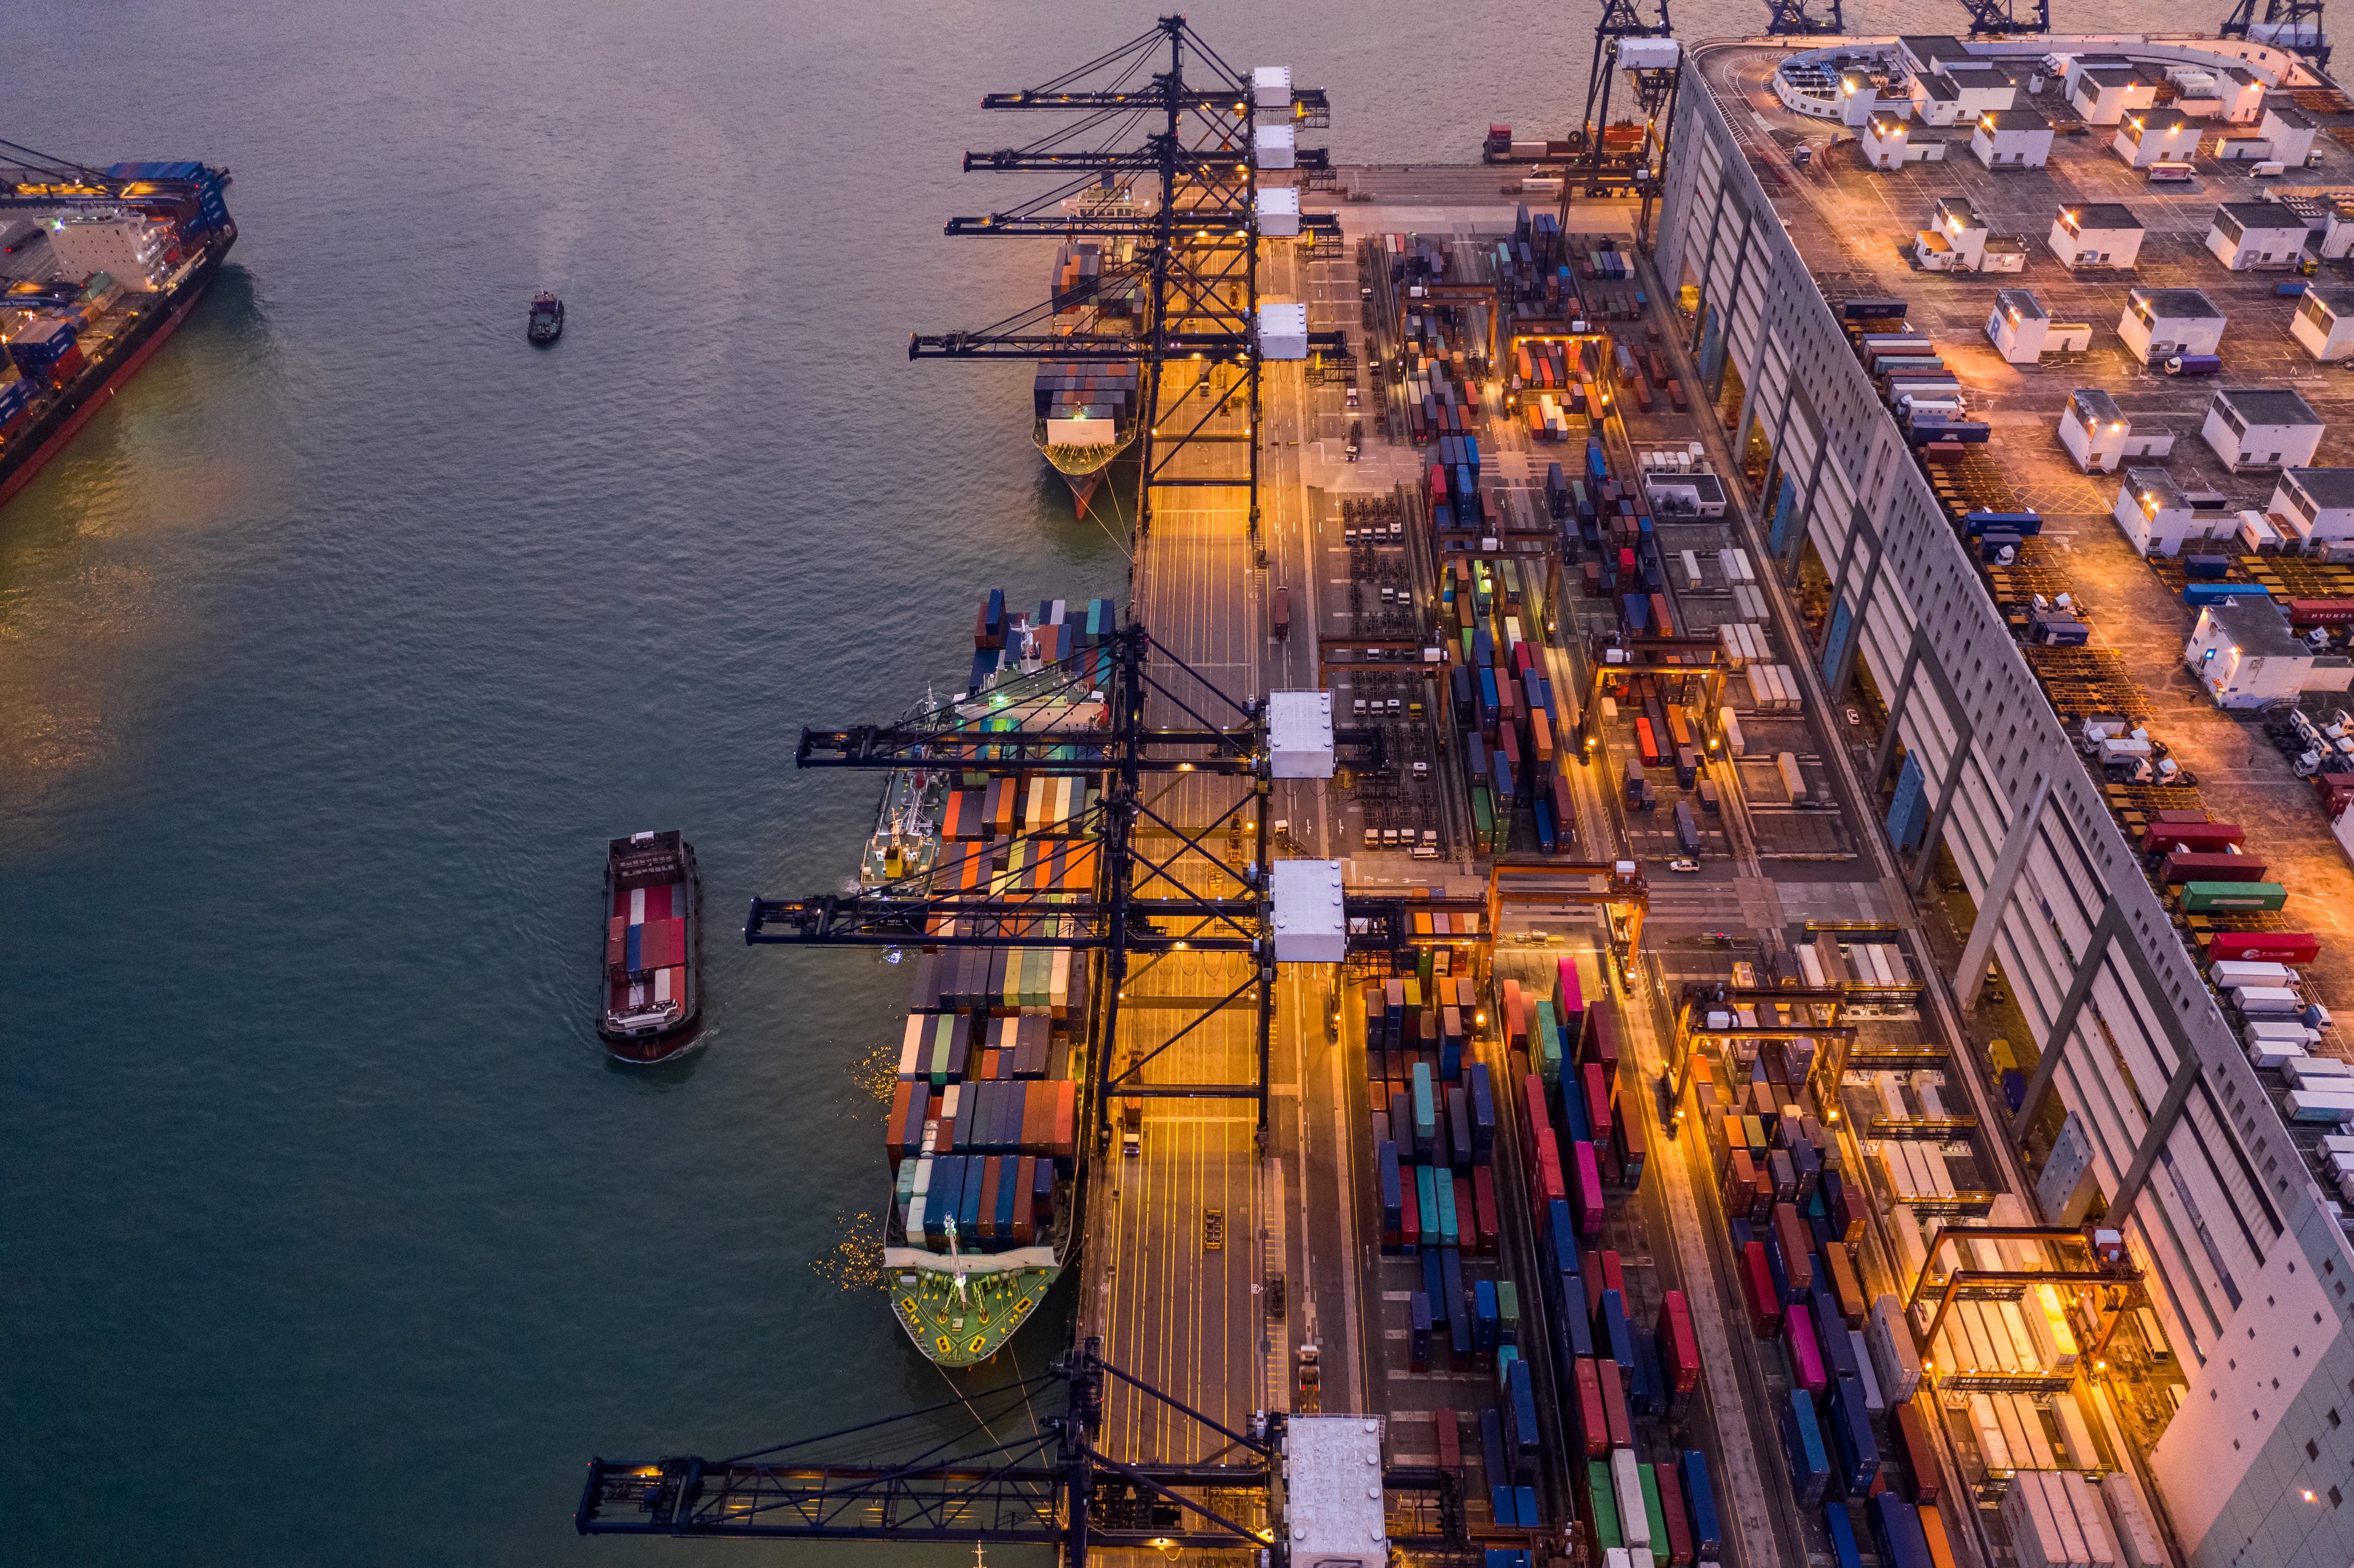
(651, 992)
(984, 1133)
(97, 269)
(1087, 409)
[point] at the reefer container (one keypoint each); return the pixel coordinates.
(2137, 1545)
(1893, 1356)
(1627, 1492)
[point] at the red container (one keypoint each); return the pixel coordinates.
(1602, 1038)
(1450, 1439)
(1739, 1183)
(1483, 1202)
(1646, 742)
(662, 943)
(1467, 1214)
(2321, 612)
(2262, 947)
(2194, 865)
(1589, 1275)
(1589, 1189)
(1671, 1508)
(1614, 1274)
(1593, 1424)
(2162, 836)
(1663, 620)
(895, 1131)
(1550, 1185)
(1597, 1099)
(1912, 1437)
(1025, 1177)
(1618, 1419)
(1679, 1349)
(1798, 1249)
(1533, 1113)
(1628, 1142)
(1410, 1235)
(1757, 1290)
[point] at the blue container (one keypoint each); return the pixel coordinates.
(1857, 1455)
(1459, 1320)
(1646, 1390)
(1841, 1529)
(1557, 1238)
(1802, 1447)
(1782, 1291)
(1458, 1126)
(2201, 567)
(1611, 1320)
(1393, 1193)
(1483, 1114)
(1896, 1531)
(1546, 843)
(2027, 522)
(1831, 1332)
(1577, 1330)
(1483, 1316)
(1433, 1282)
(1572, 1109)
(1470, 458)
(1634, 609)
(1522, 1440)
(1526, 1497)
(1492, 1446)
(1507, 1507)
(1700, 1504)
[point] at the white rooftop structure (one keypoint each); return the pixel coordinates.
(1311, 927)
(1279, 147)
(1271, 87)
(1332, 1491)
(1299, 734)
(1283, 329)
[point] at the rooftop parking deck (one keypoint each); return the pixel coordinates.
(1856, 225)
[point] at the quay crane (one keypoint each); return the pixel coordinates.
(1171, 166)
(2285, 22)
(2001, 18)
(1791, 19)
(1051, 1488)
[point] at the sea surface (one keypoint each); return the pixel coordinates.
(334, 649)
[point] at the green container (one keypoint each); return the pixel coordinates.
(1547, 1044)
(1425, 1105)
(1483, 819)
(1602, 1503)
(1657, 1516)
(1508, 1313)
(2199, 897)
(1444, 1182)
(1426, 1194)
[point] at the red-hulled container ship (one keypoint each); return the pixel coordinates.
(652, 987)
(97, 269)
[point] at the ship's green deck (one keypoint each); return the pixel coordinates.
(957, 1333)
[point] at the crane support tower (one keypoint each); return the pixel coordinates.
(2001, 18)
(1161, 154)
(1791, 19)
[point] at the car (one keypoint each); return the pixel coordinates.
(1681, 865)
(1213, 1230)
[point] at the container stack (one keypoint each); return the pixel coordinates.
(1510, 723)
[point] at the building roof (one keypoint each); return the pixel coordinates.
(2256, 629)
(2157, 118)
(2014, 119)
(1927, 47)
(2110, 75)
(2096, 406)
(2240, 74)
(2289, 115)
(2022, 304)
(2331, 487)
(1885, 122)
(2172, 304)
(1940, 88)
(2337, 299)
(2259, 214)
(2269, 405)
(2101, 215)
(1959, 206)
(2155, 484)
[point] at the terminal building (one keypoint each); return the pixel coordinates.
(2164, 1125)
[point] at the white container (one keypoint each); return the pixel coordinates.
(2136, 1542)
(2279, 1030)
(1891, 1340)
(2233, 972)
(1793, 779)
(2076, 1433)
(2318, 1072)
(1867, 1371)
(2319, 1106)
(2266, 1000)
(1634, 1519)
(2272, 1053)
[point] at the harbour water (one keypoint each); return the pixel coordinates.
(333, 651)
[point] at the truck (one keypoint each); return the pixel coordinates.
(1281, 615)
(2194, 364)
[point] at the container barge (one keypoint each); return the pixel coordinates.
(1087, 409)
(97, 270)
(652, 982)
(984, 1133)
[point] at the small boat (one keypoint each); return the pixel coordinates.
(547, 319)
(651, 993)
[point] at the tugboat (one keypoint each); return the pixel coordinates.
(651, 986)
(547, 319)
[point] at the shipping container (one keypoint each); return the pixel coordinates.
(1854, 1449)
(1676, 1520)
(1655, 1517)
(1700, 1504)
(1602, 1505)
(1803, 1452)
(1626, 1491)
(1590, 1425)
(1893, 1355)
(2137, 1545)
(1806, 1355)
(1841, 1527)
(1908, 1430)
(1932, 1535)
(1896, 1531)
(1758, 1292)
(1679, 1347)
(1618, 1418)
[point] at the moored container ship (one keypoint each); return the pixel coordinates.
(1087, 409)
(97, 269)
(984, 1135)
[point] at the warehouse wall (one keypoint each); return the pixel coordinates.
(2220, 1187)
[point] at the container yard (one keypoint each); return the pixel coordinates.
(1742, 862)
(98, 268)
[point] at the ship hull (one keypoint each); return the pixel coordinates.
(96, 388)
(962, 1333)
(1084, 475)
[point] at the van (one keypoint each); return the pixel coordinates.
(2270, 169)
(1282, 616)
(2169, 173)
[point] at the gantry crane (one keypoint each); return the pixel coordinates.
(1167, 168)
(1620, 20)
(2001, 18)
(1053, 1487)
(2292, 18)
(1791, 19)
